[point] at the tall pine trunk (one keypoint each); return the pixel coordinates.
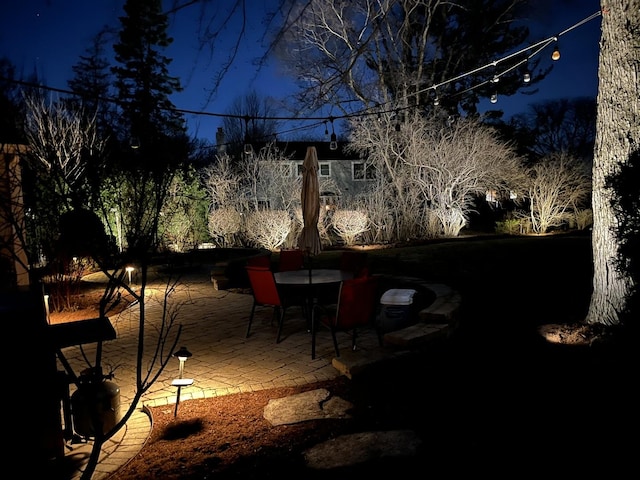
(617, 135)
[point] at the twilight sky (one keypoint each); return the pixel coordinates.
(48, 37)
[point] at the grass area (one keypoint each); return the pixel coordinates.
(531, 279)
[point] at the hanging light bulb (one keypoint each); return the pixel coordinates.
(556, 52)
(436, 101)
(495, 79)
(494, 98)
(526, 76)
(333, 144)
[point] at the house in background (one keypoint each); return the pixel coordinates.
(349, 174)
(340, 174)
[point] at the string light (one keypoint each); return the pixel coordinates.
(333, 144)
(535, 48)
(526, 77)
(555, 56)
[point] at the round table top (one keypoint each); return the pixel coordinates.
(318, 275)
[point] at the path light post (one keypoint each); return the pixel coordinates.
(180, 382)
(129, 272)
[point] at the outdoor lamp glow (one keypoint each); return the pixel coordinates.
(129, 272)
(556, 52)
(183, 354)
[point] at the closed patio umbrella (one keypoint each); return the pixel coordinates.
(309, 239)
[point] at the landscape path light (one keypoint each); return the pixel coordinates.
(183, 354)
(129, 272)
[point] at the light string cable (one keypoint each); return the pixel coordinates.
(537, 47)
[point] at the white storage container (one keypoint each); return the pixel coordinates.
(396, 307)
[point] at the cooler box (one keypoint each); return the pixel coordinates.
(396, 308)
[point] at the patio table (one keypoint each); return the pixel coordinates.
(312, 279)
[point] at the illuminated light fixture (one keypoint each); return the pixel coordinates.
(333, 144)
(494, 98)
(436, 101)
(495, 79)
(526, 76)
(556, 52)
(129, 272)
(183, 354)
(46, 308)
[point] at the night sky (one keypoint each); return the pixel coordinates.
(48, 36)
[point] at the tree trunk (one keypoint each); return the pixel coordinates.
(617, 125)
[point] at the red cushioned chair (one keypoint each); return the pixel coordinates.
(290, 260)
(263, 260)
(355, 262)
(265, 294)
(356, 308)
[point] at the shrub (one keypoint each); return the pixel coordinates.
(267, 228)
(224, 224)
(348, 224)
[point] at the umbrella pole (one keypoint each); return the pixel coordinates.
(310, 295)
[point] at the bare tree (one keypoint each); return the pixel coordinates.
(558, 186)
(222, 183)
(249, 119)
(616, 138)
(565, 125)
(393, 50)
(275, 181)
(385, 149)
(59, 139)
(434, 168)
